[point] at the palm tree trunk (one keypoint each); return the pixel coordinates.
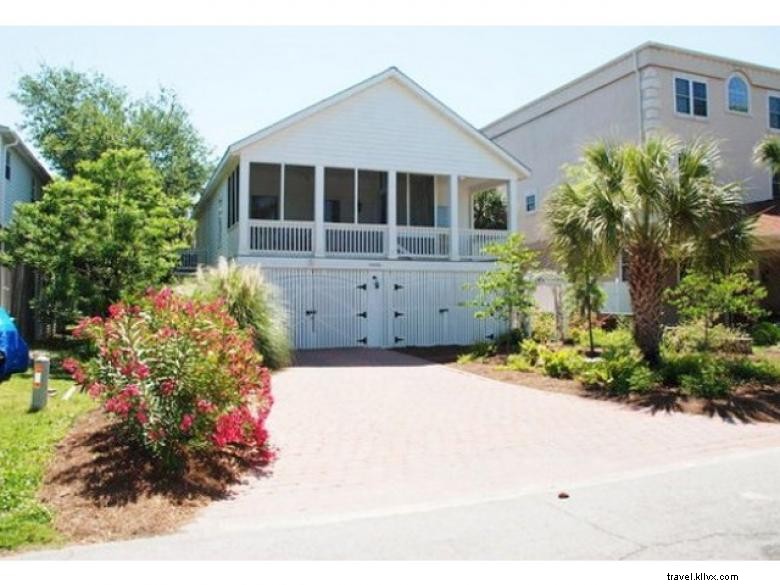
(646, 285)
(590, 326)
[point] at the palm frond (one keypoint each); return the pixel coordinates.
(767, 153)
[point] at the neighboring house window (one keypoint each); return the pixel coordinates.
(774, 112)
(690, 97)
(8, 165)
(738, 94)
(530, 203)
(33, 188)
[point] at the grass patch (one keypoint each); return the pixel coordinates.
(27, 442)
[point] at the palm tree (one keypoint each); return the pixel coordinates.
(767, 153)
(583, 262)
(658, 203)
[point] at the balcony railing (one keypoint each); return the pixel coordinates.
(275, 237)
(351, 240)
(423, 242)
(471, 245)
(359, 240)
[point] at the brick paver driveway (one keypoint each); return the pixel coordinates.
(365, 432)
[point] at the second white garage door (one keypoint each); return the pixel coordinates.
(379, 308)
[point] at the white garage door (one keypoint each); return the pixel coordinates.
(382, 308)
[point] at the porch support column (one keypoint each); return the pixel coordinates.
(319, 212)
(243, 207)
(392, 220)
(454, 216)
(513, 206)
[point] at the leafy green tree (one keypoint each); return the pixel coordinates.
(658, 202)
(706, 298)
(506, 291)
(108, 231)
(489, 210)
(73, 116)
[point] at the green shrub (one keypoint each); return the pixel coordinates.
(542, 327)
(746, 370)
(619, 372)
(531, 351)
(711, 381)
(676, 365)
(483, 349)
(467, 358)
(690, 338)
(617, 341)
(564, 363)
(765, 333)
(509, 338)
(252, 302)
(518, 363)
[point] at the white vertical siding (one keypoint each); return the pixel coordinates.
(382, 307)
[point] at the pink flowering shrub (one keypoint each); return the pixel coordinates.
(178, 374)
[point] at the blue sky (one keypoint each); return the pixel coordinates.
(237, 80)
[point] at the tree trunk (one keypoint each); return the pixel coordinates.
(590, 326)
(646, 285)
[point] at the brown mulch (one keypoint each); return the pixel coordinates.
(747, 403)
(100, 489)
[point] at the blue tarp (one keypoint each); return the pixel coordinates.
(14, 354)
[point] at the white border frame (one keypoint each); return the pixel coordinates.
(690, 79)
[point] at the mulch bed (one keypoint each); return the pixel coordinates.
(100, 489)
(747, 403)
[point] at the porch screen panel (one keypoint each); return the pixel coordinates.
(298, 193)
(265, 181)
(372, 197)
(339, 195)
(421, 200)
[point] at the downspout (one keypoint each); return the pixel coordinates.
(639, 98)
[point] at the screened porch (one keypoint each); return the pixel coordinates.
(302, 210)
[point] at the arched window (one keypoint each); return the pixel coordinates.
(739, 94)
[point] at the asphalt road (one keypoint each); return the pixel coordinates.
(725, 508)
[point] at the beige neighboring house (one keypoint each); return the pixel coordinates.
(653, 88)
(22, 180)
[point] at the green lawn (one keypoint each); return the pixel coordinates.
(27, 443)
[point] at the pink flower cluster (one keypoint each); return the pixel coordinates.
(177, 372)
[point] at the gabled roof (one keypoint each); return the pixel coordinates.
(390, 73)
(11, 136)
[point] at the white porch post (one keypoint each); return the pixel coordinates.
(454, 216)
(243, 207)
(513, 206)
(319, 211)
(392, 220)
